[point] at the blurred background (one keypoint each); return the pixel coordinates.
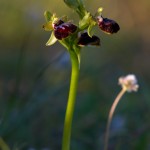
(34, 79)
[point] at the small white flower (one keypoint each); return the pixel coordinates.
(129, 83)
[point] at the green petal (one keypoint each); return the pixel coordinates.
(47, 15)
(90, 28)
(52, 40)
(84, 23)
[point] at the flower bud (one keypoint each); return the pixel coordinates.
(63, 29)
(85, 40)
(107, 25)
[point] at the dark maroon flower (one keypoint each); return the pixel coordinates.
(63, 29)
(107, 25)
(85, 39)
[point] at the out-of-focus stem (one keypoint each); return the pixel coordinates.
(113, 107)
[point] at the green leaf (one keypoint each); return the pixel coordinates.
(74, 3)
(77, 5)
(48, 16)
(52, 40)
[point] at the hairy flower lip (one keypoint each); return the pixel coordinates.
(63, 29)
(85, 40)
(107, 25)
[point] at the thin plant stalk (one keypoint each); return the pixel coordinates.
(71, 101)
(113, 107)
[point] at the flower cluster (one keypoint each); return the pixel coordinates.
(129, 83)
(81, 35)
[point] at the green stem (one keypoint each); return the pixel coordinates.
(71, 100)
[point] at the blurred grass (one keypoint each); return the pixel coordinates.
(34, 79)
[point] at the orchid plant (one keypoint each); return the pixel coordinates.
(73, 38)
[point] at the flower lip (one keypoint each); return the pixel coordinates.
(63, 29)
(107, 25)
(85, 40)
